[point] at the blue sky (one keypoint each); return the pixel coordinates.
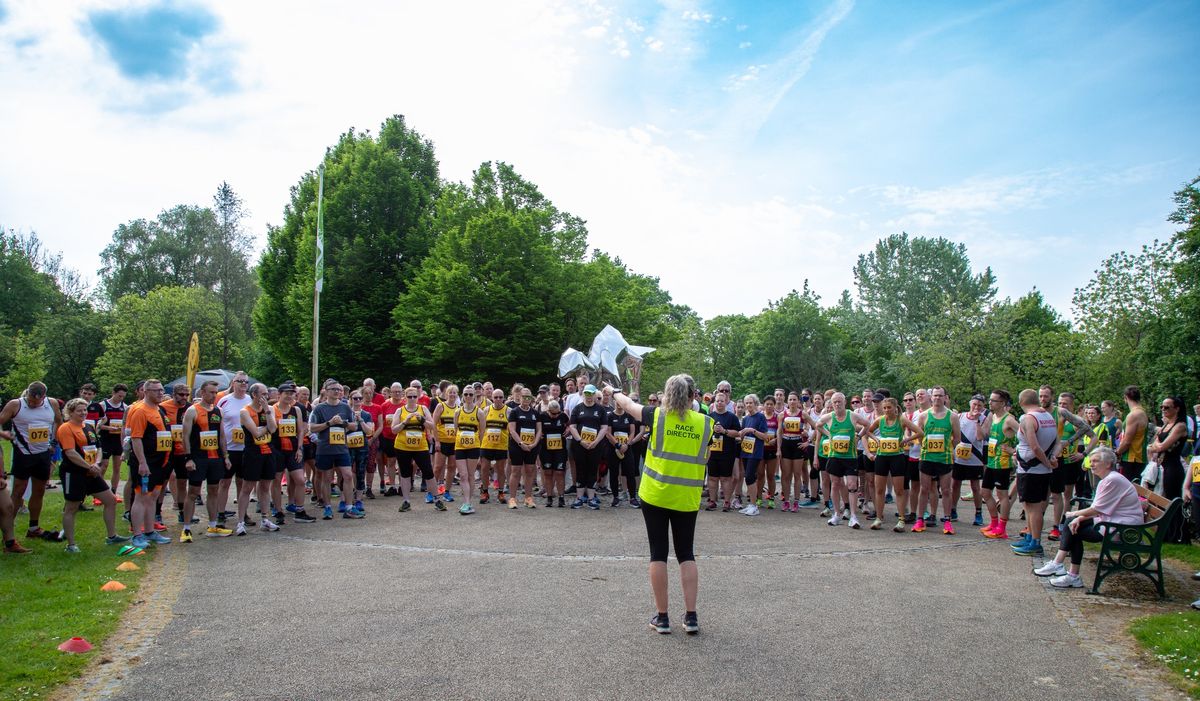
(733, 149)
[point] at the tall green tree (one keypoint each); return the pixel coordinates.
(29, 364)
(149, 334)
(905, 284)
(71, 342)
(236, 284)
(1173, 345)
(794, 343)
(379, 198)
(729, 351)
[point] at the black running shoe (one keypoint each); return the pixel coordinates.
(690, 623)
(439, 505)
(562, 502)
(303, 517)
(661, 623)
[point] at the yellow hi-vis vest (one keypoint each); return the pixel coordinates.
(673, 477)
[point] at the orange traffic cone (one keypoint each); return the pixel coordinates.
(127, 566)
(112, 585)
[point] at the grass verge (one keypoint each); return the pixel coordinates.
(50, 595)
(1187, 554)
(1174, 640)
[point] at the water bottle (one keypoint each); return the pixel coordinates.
(145, 484)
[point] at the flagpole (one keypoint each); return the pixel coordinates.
(319, 270)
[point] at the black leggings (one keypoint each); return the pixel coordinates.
(618, 467)
(587, 465)
(683, 532)
(1073, 542)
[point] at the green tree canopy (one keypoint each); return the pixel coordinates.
(378, 209)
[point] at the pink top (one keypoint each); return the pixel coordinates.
(1117, 500)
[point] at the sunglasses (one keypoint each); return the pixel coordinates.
(356, 399)
(240, 382)
(468, 394)
(909, 399)
(410, 396)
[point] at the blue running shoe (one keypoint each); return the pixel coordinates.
(1033, 549)
(341, 507)
(594, 504)
(954, 515)
(328, 514)
(428, 497)
(158, 538)
(358, 505)
(1022, 541)
(140, 541)
(978, 519)
(448, 497)
(292, 509)
(578, 503)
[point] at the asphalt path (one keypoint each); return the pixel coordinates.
(554, 603)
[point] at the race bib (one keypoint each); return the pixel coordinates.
(466, 439)
(450, 431)
(39, 434)
(264, 439)
(792, 424)
(770, 436)
(889, 445)
(621, 437)
(873, 444)
(208, 440)
(355, 439)
(412, 439)
(554, 441)
(494, 437)
(287, 427)
(337, 435)
(164, 441)
(747, 444)
(823, 447)
(1195, 472)
(116, 423)
(935, 443)
(840, 444)
(962, 451)
(587, 434)
(177, 433)
(89, 454)
(527, 435)
(716, 445)
(237, 436)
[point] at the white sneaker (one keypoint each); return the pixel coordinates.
(1196, 604)
(737, 504)
(240, 530)
(268, 526)
(1051, 569)
(744, 509)
(835, 521)
(1067, 581)
(846, 512)
(854, 523)
(751, 510)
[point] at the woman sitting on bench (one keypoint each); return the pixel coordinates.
(1116, 502)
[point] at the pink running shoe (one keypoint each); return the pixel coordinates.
(786, 506)
(947, 527)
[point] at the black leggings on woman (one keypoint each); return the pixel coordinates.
(683, 532)
(1073, 542)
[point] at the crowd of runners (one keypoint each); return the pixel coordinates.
(867, 459)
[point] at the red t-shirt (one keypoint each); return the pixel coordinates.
(386, 412)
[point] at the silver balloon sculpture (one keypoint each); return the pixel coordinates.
(611, 359)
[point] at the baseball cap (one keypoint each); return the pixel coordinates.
(590, 389)
(287, 386)
(544, 388)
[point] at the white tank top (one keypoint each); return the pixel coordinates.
(231, 418)
(39, 421)
(973, 434)
(914, 452)
(1047, 434)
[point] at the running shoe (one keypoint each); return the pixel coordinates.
(808, 504)
(241, 529)
(341, 507)
(578, 503)
(953, 514)
(661, 623)
(999, 533)
(710, 506)
(158, 538)
(947, 527)
(899, 527)
(854, 523)
(352, 513)
(358, 506)
(978, 519)
(635, 503)
(179, 516)
(845, 512)
(35, 532)
(561, 502)
(877, 524)
(158, 526)
(1055, 534)
(333, 492)
(910, 518)
(512, 503)
(691, 623)
(428, 497)
(292, 509)
(405, 507)
(186, 536)
(441, 489)
(770, 503)
(529, 503)
(1033, 549)
(119, 499)
(114, 539)
(483, 497)
(448, 497)
(737, 504)
(726, 507)
(785, 506)
(889, 499)
(751, 510)
(269, 527)
(466, 510)
(919, 526)
(302, 516)
(835, 521)
(217, 532)
(96, 502)
(439, 505)
(140, 541)
(73, 549)
(1067, 581)
(594, 504)
(615, 502)
(549, 502)
(1023, 540)
(826, 513)
(370, 494)
(1051, 569)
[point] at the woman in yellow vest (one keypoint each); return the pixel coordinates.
(672, 481)
(413, 427)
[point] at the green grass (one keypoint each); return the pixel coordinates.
(1174, 640)
(49, 596)
(1187, 554)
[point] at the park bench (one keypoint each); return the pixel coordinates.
(1127, 548)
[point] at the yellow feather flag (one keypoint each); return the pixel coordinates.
(193, 360)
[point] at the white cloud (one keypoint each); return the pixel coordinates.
(697, 16)
(654, 44)
(740, 80)
(744, 45)
(596, 31)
